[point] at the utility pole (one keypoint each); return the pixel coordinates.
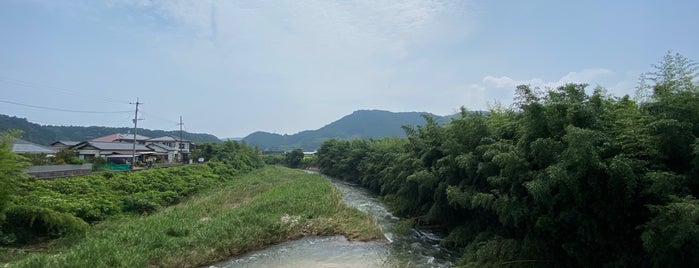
(180, 144)
(135, 128)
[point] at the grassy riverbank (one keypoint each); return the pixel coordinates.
(263, 207)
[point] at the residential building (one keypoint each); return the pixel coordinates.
(24, 147)
(164, 153)
(181, 147)
(88, 150)
(119, 137)
(62, 144)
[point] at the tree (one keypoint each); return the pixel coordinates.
(10, 166)
(673, 233)
(562, 179)
(67, 156)
(293, 158)
(675, 73)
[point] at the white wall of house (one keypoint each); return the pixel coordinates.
(184, 146)
(88, 154)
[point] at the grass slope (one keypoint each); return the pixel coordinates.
(260, 208)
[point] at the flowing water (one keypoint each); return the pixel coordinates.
(418, 248)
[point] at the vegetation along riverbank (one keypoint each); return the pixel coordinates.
(184, 216)
(264, 207)
(567, 177)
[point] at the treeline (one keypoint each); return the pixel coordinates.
(46, 135)
(293, 159)
(562, 179)
(239, 155)
(32, 210)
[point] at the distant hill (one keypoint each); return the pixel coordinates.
(360, 124)
(47, 134)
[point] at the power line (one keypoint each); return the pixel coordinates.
(46, 123)
(115, 123)
(63, 110)
(149, 114)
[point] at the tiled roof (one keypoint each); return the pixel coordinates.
(66, 143)
(22, 146)
(119, 136)
(166, 138)
(114, 146)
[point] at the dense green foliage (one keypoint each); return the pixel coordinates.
(293, 159)
(274, 159)
(365, 124)
(62, 157)
(563, 179)
(247, 212)
(10, 167)
(10, 172)
(52, 208)
(47, 134)
(238, 154)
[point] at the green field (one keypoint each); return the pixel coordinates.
(247, 212)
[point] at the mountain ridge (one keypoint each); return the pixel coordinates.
(366, 124)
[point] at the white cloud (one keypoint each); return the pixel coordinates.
(501, 89)
(507, 82)
(365, 27)
(335, 54)
(585, 76)
(590, 76)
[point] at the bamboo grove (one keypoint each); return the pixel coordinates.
(563, 178)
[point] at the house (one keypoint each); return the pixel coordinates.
(63, 144)
(180, 147)
(119, 137)
(24, 147)
(88, 150)
(119, 148)
(164, 153)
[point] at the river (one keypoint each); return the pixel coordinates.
(418, 248)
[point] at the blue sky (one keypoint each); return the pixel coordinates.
(230, 68)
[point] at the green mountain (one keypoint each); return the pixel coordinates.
(45, 135)
(360, 124)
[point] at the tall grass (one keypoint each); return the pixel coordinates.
(264, 207)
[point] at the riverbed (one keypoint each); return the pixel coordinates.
(417, 248)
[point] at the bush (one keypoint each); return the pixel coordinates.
(293, 158)
(142, 202)
(28, 223)
(309, 161)
(98, 163)
(67, 156)
(273, 159)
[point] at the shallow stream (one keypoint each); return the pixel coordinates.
(418, 248)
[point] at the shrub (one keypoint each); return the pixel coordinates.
(26, 223)
(273, 159)
(98, 163)
(142, 202)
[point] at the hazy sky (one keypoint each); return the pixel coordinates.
(230, 68)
